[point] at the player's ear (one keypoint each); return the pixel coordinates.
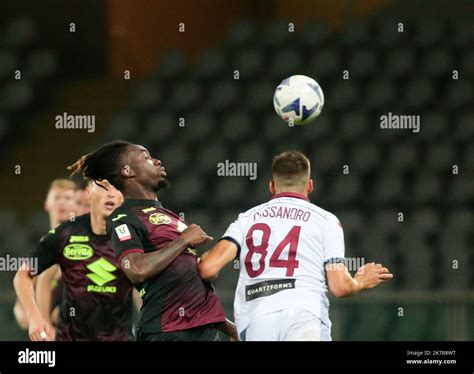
(127, 171)
(310, 186)
(271, 186)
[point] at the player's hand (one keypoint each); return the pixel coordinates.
(40, 330)
(194, 235)
(371, 275)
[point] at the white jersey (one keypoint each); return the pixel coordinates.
(284, 245)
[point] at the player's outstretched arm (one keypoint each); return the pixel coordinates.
(140, 266)
(212, 262)
(39, 328)
(342, 284)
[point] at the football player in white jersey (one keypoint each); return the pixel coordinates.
(291, 252)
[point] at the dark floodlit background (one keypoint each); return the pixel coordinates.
(190, 75)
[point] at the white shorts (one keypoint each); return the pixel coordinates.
(293, 324)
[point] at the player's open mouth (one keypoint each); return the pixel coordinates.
(163, 172)
(110, 205)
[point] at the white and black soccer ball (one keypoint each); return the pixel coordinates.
(298, 99)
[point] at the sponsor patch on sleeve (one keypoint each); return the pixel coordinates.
(123, 232)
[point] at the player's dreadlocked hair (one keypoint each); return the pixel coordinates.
(102, 164)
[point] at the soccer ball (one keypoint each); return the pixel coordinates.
(298, 100)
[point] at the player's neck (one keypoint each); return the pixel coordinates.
(98, 224)
(298, 192)
(139, 192)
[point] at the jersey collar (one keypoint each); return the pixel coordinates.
(290, 194)
(132, 202)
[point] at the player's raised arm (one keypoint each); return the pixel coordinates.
(342, 284)
(212, 262)
(139, 266)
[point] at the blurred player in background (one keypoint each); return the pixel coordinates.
(291, 251)
(60, 206)
(155, 248)
(49, 285)
(98, 297)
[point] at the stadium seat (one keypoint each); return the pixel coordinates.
(353, 126)
(461, 189)
(20, 33)
(388, 187)
(242, 33)
(8, 63)
(363, 62)
(460, 95)
(342, 95)
(441, 156)
(400, 62)
(356, 34)
(16, 96)
(259, 95)
(326, 61)
(426, 220)
(430, 33)
(438, 61)
(387, 32)
(417, 93)
(224, 94)
(315, 35)
(249, 62)
(187, 94)
(432, 126)
(146, 96)
(426, 188)
(199, 126)
(172, 160)
(284, 63)
(41, 65)
(345, 189)
(160, 127)
(122, 126)
(464, 131)
(171, 65)
(381, 93)
(364, 156)
(187, 190)
(403, 156)
(212, 63)
(275, 34)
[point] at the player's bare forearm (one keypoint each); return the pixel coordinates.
(23, 284)
(212, 262)
(44, 291)
(140, 266)
(342, 284)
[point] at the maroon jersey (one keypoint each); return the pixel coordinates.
(177, 298)
(97, 302)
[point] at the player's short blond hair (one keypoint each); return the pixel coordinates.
(63, 183)
(291, 168)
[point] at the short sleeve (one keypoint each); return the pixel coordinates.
(235, 234)
(333, 241)
(126, 237)
(46, 253)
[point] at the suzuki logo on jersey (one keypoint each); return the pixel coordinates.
(101, 274)
(159, 219)
(123, 232)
